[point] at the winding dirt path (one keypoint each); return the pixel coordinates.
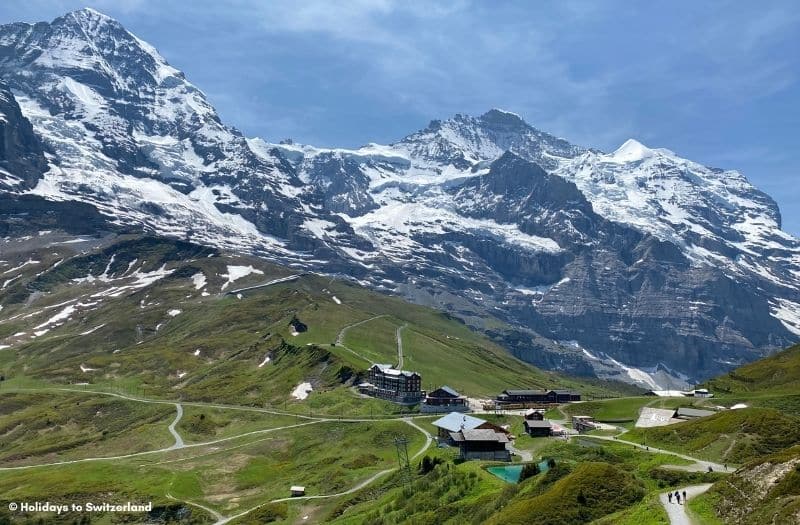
(179, 444)
(356, 488)
(677, 511)
(178, 439)
(699, 465)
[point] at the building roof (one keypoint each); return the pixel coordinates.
(693, 412)
(525, 392)
(481, 434)
(538, 424)
(537, 392)
(455, 421)
(447, 390)
(389, 370)
(297, 488)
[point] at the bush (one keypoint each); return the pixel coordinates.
(529, 470)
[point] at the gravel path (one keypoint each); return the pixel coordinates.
(677, 512)
(171, 428)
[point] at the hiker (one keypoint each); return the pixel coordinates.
(669, 496)
(684, 496)
(725, 466)
(710, 468)
(678, 497)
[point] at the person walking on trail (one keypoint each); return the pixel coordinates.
(669, 496)
(684, 496)
(678, 497)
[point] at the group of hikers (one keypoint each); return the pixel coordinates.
(677, 496)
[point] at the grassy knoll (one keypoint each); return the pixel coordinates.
(731, 436)
(576, 498)
(47, 427)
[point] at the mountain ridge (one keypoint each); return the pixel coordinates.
(635, 264)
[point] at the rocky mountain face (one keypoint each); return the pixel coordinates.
(22, 161)
(636, 264)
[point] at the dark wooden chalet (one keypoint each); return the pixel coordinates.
(483, 444)
(444, 399)
(538, 428)
(537, 396)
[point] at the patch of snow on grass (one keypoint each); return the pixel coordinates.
(91, 330)
(60, 316)
(265, 361)
(174, 312)
(237, 272)
(199, 280)
(336, 300)
(85, 369)
(302, 391)
(23, 265)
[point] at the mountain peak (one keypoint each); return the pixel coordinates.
(89, 12)
(631, 151)
(90, 19)
(500, 117)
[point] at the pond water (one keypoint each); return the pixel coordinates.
(511, 473)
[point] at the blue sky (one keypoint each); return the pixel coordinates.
(715, 81)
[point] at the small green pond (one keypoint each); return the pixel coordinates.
(512, 473)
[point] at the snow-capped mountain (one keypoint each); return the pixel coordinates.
(635, 264)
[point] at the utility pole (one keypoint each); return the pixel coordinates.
(401, 444)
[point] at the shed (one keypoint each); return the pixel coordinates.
(481, 443)
(536, 428)
(533, 414)
(297, 490)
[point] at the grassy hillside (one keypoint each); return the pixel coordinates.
(779, 372)
(39, 427)
(770, 382)
(731, 436)
(763, 491)
(155, 318)
(579, 497)
(227, 469)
